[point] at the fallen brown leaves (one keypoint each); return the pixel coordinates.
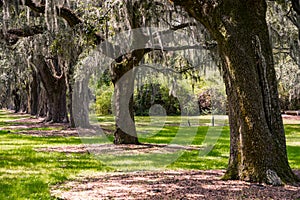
(168, 185)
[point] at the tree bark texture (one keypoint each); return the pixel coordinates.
(257, 139)
(80, 103)
(122, 75)
(33, 96)
(55, 88)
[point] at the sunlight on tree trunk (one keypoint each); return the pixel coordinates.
(258, 146)
(123, 80)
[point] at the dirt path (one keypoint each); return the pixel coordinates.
(169, 185)
(27, 125)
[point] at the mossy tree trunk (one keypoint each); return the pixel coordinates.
(56, 88)
(257, 145)
(122, 75)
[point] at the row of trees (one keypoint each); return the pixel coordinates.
(44, 43)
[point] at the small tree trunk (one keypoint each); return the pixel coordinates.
(34, 94)
(17, 100)
(70, 84)
(70, 105)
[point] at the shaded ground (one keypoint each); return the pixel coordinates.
(169, 185)
(27, 126)
(181, 184)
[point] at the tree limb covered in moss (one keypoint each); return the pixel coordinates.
(27, 31)
(67, 14)
(12, 36)
(185, 47)
(175, 28)
(63, 12)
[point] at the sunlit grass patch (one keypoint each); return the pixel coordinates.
(292, 132)
(26, 173)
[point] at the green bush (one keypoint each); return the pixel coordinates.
(151, 94)
(103, 100)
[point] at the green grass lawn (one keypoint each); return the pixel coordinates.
(28, 174)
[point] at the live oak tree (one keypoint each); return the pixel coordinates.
(257, 139)
(138, 15)
(258, 149)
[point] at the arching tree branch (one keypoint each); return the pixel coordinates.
(12, 36)
(63, 12)
(27, 31)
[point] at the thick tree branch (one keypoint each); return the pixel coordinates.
(12, 36)
(26, 31)
(181, 48)
(296, 6)
(175, 28)
(63, 12)
(203, 13)
(67, 14)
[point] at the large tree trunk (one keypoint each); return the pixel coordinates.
(258, 146)
(122, 75)
(123, 80)
(55, 86)
(56, 93)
